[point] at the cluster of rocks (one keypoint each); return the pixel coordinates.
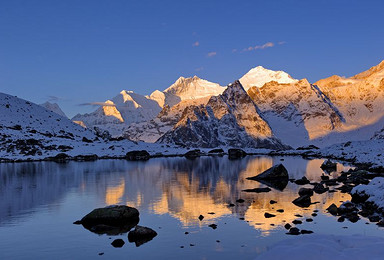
(116, 220)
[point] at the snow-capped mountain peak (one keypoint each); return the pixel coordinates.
(191, 88)
(259, 75)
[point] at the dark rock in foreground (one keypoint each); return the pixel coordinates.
(302, 181)
(332, 209)
(118, 243)
(235, 153)
(305, 191)
(303, 201)
(192, 154)
(269, 215)
(275, 172)
(112, 215)
(111, 220)
(142, 155)
(216, 151)
(275, 177)
(319, 188)
(141, 235)
(309, 147)
(293, 231)
(329, 166)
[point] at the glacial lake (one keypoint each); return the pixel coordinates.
(39, 201)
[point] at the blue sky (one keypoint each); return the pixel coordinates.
(85, 51)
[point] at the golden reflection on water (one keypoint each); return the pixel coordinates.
(114, 194)
(187, 193)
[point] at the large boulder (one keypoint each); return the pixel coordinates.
(142, 155)
(236, 153)
(275, 172)
(141, 235)
(115, 215)
(193, 154)
(111, 220)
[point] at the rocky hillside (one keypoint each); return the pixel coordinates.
(297, 112)
(359, 99)
(230, 119)
(30, 129)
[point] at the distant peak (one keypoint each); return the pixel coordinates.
(109, 102)
(258, 76)
(126, 92)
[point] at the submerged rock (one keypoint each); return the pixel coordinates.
(142, 155)
(141, 235)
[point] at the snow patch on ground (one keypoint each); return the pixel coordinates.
(375, 190)
(325, 247)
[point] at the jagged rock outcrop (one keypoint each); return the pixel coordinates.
(230, 119)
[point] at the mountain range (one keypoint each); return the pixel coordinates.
(263, 109)
(331, 110)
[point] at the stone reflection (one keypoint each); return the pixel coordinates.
(179, 187)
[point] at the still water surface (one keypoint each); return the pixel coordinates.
(40, 200)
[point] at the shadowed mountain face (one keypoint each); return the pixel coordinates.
(230, 119)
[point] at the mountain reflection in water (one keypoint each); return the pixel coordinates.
(179, 187)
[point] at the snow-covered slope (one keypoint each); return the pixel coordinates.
(258, 76)
(152, 130)
(297, 112)
(124, 109)
(360, 100)
(54, 107)
(230, 119)
(30, 129)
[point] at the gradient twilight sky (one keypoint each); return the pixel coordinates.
(78, 51)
